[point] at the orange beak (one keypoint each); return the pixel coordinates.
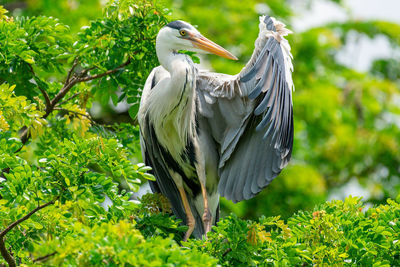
(209, 46)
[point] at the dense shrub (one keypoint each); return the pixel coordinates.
(335, 233)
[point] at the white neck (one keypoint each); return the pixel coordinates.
(165, 56)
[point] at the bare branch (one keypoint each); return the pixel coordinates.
(89, 78)
(46, 97)
(76, 113)
(43, 258)
(60, 95)
(68, 99)
(24, 137)
(72, 69)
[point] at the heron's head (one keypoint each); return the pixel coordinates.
(180, 35)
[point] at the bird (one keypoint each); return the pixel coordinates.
(206, 134)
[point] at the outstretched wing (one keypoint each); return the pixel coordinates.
(251, 114)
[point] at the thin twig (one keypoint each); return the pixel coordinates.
(89, 78)
(68, 99)
(19, 149)
(72, 69)
(226, 252)
(43, 258)
(44, 93)
(46, 96)
(24, 137)
(76, 113)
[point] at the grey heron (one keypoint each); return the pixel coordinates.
(208, 134)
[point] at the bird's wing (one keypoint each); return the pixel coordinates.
(251, 114)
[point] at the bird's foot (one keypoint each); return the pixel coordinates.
(207, 221)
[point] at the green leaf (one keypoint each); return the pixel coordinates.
(191, 54)
(37, 225)
(149, 176)
(114, 99)
(133, 110)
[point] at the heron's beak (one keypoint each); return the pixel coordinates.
(203, 43)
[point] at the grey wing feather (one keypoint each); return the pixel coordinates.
(251, 115)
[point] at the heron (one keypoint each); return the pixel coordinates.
(208, 134)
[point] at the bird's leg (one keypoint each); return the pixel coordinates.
(207, 219)
(201, 173)
(189, 215)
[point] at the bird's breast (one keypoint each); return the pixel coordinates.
(171, 111)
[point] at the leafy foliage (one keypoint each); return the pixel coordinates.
(121, 244)
(335, 233)
(18, 111)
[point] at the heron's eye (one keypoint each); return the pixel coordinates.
(182, 32)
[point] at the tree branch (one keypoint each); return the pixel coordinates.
(76, 113)
(89, 78)
(46, 97)
(27, 216)
(72, 69)
(44, 93)
(70, 82)
(85, 71)
(43, 258)
(68, 99)
(4, 252)
(226, 252)
(60, 95)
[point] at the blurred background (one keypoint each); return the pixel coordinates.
(347, 97)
